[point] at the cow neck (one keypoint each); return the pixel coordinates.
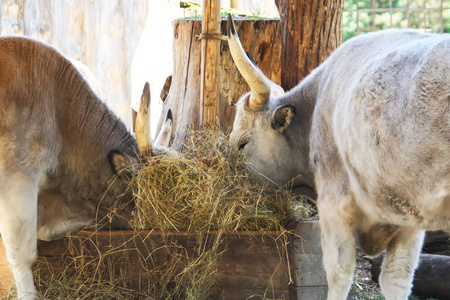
(303, 98)
(89, 131)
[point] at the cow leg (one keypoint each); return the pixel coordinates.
(401, 260)
(338, 244)
(18, 225)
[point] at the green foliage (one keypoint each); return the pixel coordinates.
(372, 21)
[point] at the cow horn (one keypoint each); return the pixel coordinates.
(142, 126)
(258, 82)
(165, 134)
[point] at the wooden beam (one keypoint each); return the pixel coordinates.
(210, 75)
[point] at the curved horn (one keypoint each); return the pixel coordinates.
(258, 82)
(275, 89)
(142, 126)
(165, 134)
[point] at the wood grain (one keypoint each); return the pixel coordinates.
(260, 37)
(252, 264)
(311, 31)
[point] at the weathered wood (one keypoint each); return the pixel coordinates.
(309, 278)
(260, 37)
(210, 75)
(431, 277)
(252, 263)
(311, 30)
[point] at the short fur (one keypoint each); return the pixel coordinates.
(374, 122)
(55, 140)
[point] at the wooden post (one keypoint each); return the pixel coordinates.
(210, 75)
(260, 37)
(310, 31)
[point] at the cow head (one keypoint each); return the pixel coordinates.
(263, 127)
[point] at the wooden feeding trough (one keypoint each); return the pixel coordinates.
(263, 265)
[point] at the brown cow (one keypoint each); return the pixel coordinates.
(66, 160)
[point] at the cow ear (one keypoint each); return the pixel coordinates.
(121, 163)
(282, 117)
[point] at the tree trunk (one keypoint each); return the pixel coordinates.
(261, 38)
(311, 30)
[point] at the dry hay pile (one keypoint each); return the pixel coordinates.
(203, 190)
(207, 189)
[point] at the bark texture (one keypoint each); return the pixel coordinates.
(311, 31)
(261, 38)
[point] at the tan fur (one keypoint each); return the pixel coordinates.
(56, 138)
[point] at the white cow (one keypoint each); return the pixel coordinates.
(369, 131)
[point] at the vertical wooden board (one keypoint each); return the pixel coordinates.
(306, 259)
(309, 270)
(210, 76)
(309, 292)
(306, 237)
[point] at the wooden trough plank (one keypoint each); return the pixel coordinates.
(309, 270)
(251, 263)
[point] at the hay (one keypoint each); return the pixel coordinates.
(207, 189)
(203, 190)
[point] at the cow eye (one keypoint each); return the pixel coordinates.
(243, 143)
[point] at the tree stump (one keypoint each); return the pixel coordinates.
(260, 37)
(311, 31)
